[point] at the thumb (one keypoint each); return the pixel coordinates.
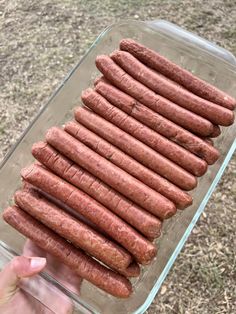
(19, 267)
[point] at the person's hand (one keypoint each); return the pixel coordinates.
(14, 300)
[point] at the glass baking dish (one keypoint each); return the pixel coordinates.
(208, 61)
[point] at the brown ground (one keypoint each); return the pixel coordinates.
(40, 41)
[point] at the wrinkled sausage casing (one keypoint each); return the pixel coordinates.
(158, 123)
(83, 265)
(181, 198)
(143, 250)
(159, 63)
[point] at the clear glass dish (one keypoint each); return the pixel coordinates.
(206, 60)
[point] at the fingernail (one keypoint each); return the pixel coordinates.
(37, 262)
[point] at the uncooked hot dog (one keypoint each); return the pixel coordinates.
(143, 221)
(158, 123)
(142, 250)
(73, 230)
(216, 131)
(172, 91)
(83, 265)
(167, 148)
(157, 62)
(136, 149)
(130, 165)
(161, 105)
(110, 174)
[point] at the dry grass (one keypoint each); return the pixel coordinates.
(42, 40)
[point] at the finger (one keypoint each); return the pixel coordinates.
(54, 267)
(19, 267)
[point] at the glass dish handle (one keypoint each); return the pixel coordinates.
(191, 39)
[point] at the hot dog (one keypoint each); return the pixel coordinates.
(158, 123)
(83, 265)
(161, 105)
(113, 176)
(172, 91)
(209, 141)
(216, 131)
(143, 250)
(157, 62)
(133, 270)
(28, 187)
(167, 148)
(130, 165)
(73, 230)
(146, 223)
(136, 149)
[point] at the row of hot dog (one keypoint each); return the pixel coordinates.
(124, 165)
